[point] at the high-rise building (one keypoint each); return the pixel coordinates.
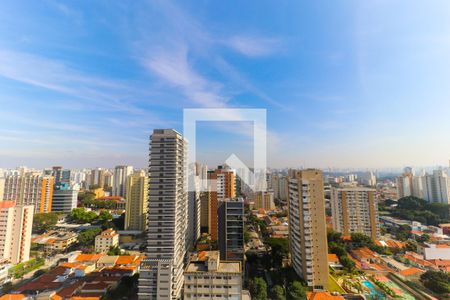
(436, 187)
(284, 189)
(264, 200)
(65, 197)
(161, 272)
(231, 229)
(121, 174)
(194, 211)
(355, 210)
(108, 179)
(276, 186)
(30, 188)
(205, 198)
(367, 178)
(136, 201)
(97, 178)
(16, 222)
(209, 277)
(2, 186)
(307, 227)
(222, 186)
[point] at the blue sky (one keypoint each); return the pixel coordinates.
(345, 84)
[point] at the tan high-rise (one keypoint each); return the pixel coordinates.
(355, 210)
(16, 222)
(30, 188)
(136, 201)
(222, 182)
(307, 227)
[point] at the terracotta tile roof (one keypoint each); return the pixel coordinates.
(440, 262)
(88, 257)
(333, 258)
(84, 298)
(127, 259)
(13, 296)
(410, 271)
(322, 296)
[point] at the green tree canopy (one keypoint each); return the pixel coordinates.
(438, 282)
(87, 237)
(296, 291)
(44, 221)
(258, 289)
(81, 215)
(278, 293)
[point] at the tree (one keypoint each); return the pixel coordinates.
(114, 251)
(334, 236)
(279, 249)
(361, 240)
(81, 215)
(438, 282)
(87, 237)
(347, 263)
(44, 221)
(423, 238)
(411, 203)
(337, 249)
(296, 291)
(105, 216)
(278, 293)
(258, 289)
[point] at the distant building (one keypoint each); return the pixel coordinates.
(264, 200)
(307, 227)
(30, 188)
(231, 229)
(96, 178)
(136, 201)
(105, 240)
(209, 277)
(222, 185)
(367, 178)
(16, 222)
(121, 174)
(355, 210)
(65, 197)
(436, 187)
(205, 198)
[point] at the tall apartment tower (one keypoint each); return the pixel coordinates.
(355, 209)
(121, 174)
(436, 187)
(222, 181)
(307, 227)
(264, 200)
(161, 273)
(30, 188)
(194, 211)
(136, 201)
(205, 198)
(231, 229)
(16, 222)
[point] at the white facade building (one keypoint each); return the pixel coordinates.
(161, 272)
(16, 222)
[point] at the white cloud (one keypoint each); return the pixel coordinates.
(175, 69)
(253, 46)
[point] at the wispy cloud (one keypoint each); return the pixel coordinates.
(175, 69)
(253, 46)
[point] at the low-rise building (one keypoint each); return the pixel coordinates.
(207, 277)
(56, 241)
(411, 274)
(107, 239)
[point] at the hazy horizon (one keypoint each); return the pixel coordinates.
(354, 84)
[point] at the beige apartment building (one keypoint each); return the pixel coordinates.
(355, 209)
(207, 277)
(105, 240)
(30, 188)
(16, 222)
(136, 201)
(307, 227)
(264, 200)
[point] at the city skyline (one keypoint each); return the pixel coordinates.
(348, 92)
